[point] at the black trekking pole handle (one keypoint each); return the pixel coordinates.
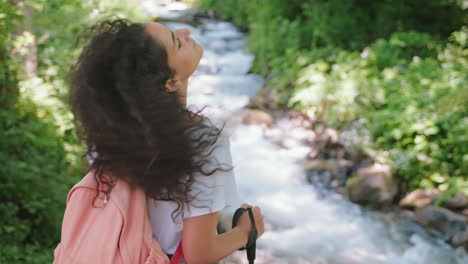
(251, 243)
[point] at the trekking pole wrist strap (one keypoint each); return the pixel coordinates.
(253, 233)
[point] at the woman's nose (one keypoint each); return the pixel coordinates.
(184, 32)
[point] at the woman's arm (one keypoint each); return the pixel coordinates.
(201, 244)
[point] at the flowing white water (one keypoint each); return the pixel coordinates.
(304, 224)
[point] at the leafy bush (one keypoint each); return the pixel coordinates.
(8, 80)
(350, 25)
(39, 152)
(35, 180)
(413, 103)
(393, 66)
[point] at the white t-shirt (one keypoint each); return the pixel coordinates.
(224, 194)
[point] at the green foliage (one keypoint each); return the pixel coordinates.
(39, 151)
(57, 52)
(397, 67)
(402, 47)
(350, 25)
(56, 49)
(235, 10)
(357, 23)
(35, 180)
(8, 81)
(402, 102)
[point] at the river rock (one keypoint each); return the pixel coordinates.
(330, 164)
(328, 135)
(422, 198)
(338, 169)
(321, 178)
(459, 201)
(321, 164)
(461, 252)
(372, 185)
(256, 102)
(460, 239)
(453, 226)
(257, 117)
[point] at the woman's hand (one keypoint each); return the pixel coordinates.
(244, 221)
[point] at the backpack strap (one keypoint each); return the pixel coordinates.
(178, 255)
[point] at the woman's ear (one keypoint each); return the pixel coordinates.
(172, 85)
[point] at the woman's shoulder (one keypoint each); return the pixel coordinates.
(213, 122)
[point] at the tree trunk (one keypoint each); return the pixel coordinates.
(28, 61)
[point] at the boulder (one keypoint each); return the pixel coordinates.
(373, 185)
(459, 201)
(256, 102)
(461, 252)
(460, 239)
(420, 198)
(453, 226)
(338, 169)
(327, 135)
(329, 164)
(464, 212)
(257, 117)
(423, 198)
(321, 178)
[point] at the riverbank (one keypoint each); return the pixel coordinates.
(333, 164)
(396, 83)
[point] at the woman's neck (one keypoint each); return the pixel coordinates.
(182, 92)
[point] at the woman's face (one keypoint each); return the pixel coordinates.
(183, 52)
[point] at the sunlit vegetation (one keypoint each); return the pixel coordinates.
(395, 70)
(40, 155)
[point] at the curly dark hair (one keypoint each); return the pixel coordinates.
(133, 128)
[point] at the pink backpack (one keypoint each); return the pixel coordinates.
(115, 231)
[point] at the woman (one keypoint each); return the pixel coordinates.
(159, 174)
